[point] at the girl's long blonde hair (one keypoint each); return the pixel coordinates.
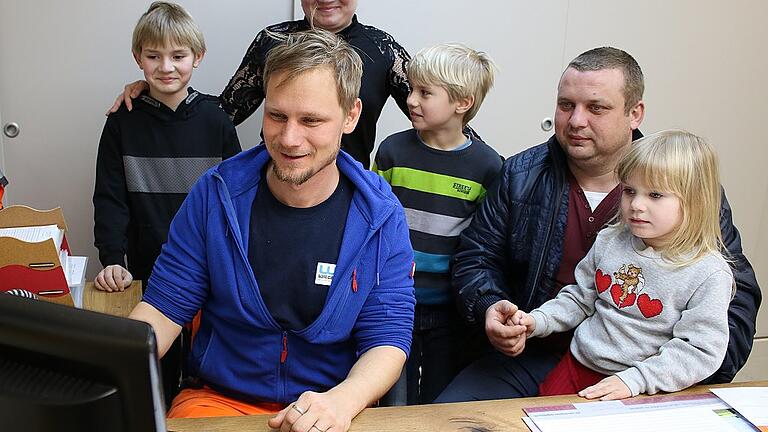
(686, 165)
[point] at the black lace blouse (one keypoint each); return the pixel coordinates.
(384, 75)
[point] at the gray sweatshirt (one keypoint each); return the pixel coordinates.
(656, 326)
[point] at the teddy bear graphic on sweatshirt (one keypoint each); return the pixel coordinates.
(626, 289)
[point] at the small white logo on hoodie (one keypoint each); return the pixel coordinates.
(324, 273)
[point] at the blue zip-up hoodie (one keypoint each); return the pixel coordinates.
(239, 349)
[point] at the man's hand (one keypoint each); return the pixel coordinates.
(130, 92)
(371, 376)
(113, 278)
(503, 333)
(610, 388)
(312, 412)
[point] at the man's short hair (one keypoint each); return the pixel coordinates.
(614, 58)
(165, 23)
(460, 70)
(301, 52)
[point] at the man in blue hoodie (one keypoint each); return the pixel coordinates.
(298, 259)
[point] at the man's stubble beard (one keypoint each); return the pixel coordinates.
(302, 177)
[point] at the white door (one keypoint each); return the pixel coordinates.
(61, 66)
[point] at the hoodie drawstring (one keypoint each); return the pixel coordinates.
(378, 258)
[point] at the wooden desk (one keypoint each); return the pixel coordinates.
(119, 303)
(497, 415)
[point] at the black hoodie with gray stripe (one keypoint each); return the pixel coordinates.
(148, 160)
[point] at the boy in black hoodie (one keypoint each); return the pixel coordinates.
(150, 157)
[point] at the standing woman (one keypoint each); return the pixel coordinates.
(384, 65)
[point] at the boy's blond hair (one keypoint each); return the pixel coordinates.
(460, 70)
(301, 52)
(167, 23)
(686, 165)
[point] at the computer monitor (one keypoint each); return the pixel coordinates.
(66, 369)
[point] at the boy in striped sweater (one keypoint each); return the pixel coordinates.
(440, 175)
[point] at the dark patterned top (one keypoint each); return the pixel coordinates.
(384, 66)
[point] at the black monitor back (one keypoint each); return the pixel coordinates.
(66, 369)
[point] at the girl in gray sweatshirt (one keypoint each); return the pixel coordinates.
(650, 303)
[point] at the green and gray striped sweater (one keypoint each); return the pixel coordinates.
(440, 191)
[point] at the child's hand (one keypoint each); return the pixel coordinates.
(523, 319)
(610, 388)
(529, 323)
(519, 319)
(113, 278)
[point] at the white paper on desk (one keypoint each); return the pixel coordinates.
(64, 261)
(531, 425)
(35, 234)
(76, 278)
(640, 407)
(750, 402)
(693, 419)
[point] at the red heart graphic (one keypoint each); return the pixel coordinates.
(649, 307)
(629, 300)
(602, 281)
(616, 293)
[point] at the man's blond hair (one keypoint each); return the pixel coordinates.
(167, 23)
(301, 52)
(460, 70)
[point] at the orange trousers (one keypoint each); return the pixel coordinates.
(205, 402)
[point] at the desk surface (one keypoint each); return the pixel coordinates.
(497, 415)
(119, 303)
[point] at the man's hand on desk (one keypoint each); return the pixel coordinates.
(312, 412)
(113, 278)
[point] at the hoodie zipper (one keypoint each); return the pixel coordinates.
(283, 368)
(284, 351)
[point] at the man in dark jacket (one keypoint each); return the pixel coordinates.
(542, 217)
